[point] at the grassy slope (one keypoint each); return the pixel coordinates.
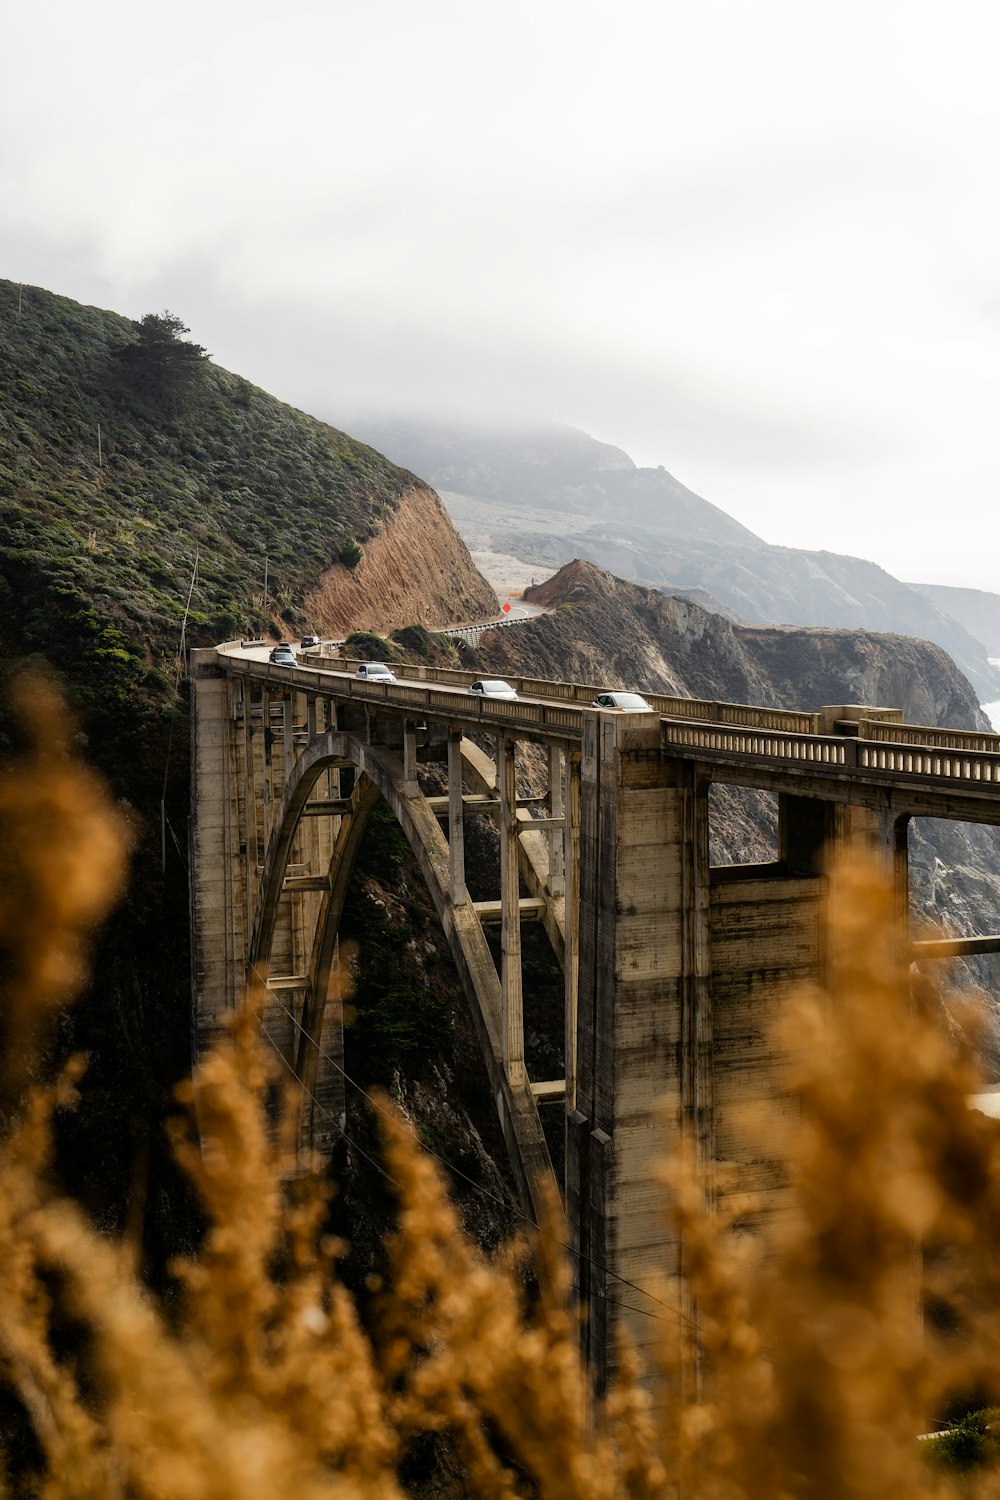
(95, 567)
(234, 475)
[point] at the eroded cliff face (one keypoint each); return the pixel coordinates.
(416, 570)
(809, 667)
(603, 629)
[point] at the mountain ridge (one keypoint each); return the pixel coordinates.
(645, 525)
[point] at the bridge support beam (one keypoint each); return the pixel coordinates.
(410, 785)
(571, 922)
(456, 820)
(557, 879)
(510, 922)
(642, 994)
(218, 910)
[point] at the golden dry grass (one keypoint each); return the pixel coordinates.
(265, 1381)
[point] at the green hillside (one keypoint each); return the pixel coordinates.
(97, 552)
(221, 469)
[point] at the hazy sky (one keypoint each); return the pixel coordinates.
(755, 241)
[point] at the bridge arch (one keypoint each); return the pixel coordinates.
(381, 775)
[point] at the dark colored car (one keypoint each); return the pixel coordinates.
(308, 641)
(283, 656)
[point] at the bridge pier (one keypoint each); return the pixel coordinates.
(456, 820)
(645, 1021)
(510, 918)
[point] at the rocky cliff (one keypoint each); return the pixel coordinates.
(415, 568)
(603, 629)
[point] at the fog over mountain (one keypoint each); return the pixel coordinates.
(545, 495)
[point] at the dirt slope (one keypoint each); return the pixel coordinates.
(416, 570)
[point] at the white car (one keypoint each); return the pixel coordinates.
(375, 671)
(493, 687)
(624, 703)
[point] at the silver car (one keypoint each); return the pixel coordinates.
(375, 671)
(624, 703)
(493, 687)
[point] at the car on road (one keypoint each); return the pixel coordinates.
(283, 655)
(624, 703)
(493, 687)
(308, 641)
(375, 671)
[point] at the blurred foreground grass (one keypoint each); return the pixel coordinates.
(262, 1377)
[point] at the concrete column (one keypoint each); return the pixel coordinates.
(456, 820)
(697, 1020)
(571, 969)
(410, 787)
(288, 734)
(249, 802)
(267, 737)
(557, 880)
(641, 911)
(510, 922)
(312, 705)
(213, 982)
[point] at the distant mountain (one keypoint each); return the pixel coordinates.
(976, 609)
(546, 495)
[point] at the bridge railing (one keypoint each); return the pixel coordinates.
(885, 753)
(699, 724)
(920, 760)
(976, 741)
(762, 742)
(432, 697)
(583, 694)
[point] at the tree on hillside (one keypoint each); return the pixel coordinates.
(161, 364)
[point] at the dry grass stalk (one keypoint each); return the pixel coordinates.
(265, 1379)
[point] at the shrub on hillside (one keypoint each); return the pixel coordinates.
(351, 552)
(367, 646)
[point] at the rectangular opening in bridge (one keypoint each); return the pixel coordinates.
(742, 827)
(954, 891)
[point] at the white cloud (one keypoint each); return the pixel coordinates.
(754, 240)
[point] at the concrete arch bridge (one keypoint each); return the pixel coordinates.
(673, 968)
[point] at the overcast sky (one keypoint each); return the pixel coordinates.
(755, 241)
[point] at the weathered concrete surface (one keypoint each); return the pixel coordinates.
(674, 971)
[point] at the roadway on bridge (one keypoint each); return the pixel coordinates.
(263, 654)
